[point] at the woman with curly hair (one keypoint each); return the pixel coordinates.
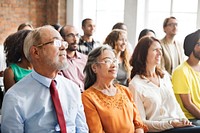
(18, 65)
(117, 39)
(25, 26)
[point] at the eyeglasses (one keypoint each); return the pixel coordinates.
(109, 61)
(71, 35)
(55, 42)
(172, 24)
(198, 43)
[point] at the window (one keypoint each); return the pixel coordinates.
(146, 14)
(105, 13)
(186, 15)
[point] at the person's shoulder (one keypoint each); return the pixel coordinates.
(122, 88)
(140, 84)
(65, 80)
(81, 55)
(8, 70)
(91, 92)
(68, 84)
(178, 42)
(183, 70)
(166, 76)
(136, 79)
(96, 42)
(13, 65)
(21, 87)
(81, 41)
(182, 67)
(166, 73)
(162, 41)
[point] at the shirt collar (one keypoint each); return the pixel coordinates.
(42, 79)
(83, 41)
(77, 55)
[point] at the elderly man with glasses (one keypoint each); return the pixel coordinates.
(44, 101)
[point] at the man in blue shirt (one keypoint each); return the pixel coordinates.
(27, 106)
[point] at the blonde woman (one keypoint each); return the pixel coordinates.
(117, 39)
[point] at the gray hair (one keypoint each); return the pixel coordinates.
(33, 38)
(90, 76)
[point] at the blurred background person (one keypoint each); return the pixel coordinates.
(76, 60)
(117, 39)
(146, 32)
(122, 26)
(87, 42)
(57, 27)
(17, 64)
(25, 26)
(109, 106)
(171, 48)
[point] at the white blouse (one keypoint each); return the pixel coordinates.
(157, 105)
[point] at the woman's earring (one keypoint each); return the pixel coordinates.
(94, 71)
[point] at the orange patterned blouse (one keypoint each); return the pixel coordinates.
(111, 114)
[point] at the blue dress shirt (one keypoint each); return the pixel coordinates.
(28, 107)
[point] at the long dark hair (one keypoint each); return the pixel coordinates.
(139, 57)
(13, 46)
(144, 32)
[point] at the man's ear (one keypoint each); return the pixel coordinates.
(34, 51)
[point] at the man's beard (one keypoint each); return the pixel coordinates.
(196, 55)
(71, 48)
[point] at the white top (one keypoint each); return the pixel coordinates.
(157, 105)
(174, 52)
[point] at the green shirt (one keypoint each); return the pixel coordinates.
(19, 72)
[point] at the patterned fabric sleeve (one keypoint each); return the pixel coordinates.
(137, 119)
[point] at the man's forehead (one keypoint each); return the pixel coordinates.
(49, 33)
(71, 30)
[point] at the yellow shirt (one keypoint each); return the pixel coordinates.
(111, 114)
(186, 81)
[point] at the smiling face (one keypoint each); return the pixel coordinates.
(107, 65)
(121, 43)
(154, 54)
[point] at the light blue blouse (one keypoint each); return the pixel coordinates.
(27, 106)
